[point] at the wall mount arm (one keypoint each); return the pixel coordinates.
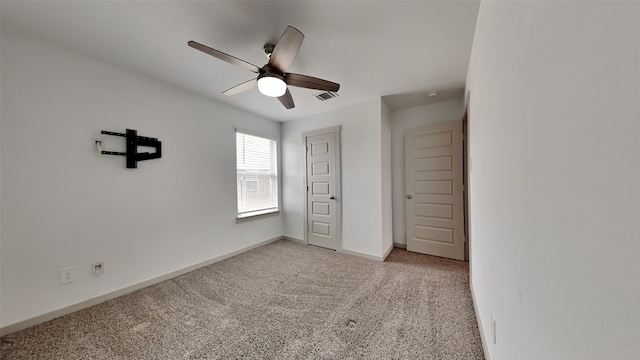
(133, 141)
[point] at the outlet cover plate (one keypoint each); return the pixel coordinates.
(67, 275)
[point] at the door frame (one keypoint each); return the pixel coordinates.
(465, 179)
(337, 186)
(467, 167)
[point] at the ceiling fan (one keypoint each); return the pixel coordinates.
(272, 78)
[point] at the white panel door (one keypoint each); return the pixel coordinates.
(322, 190)
(434, 190)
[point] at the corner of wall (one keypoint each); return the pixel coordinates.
(386, 192)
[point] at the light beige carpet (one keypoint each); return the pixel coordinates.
(280, 301)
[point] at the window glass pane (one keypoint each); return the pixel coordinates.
(257, 177)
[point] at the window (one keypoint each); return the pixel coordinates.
(251, 183)
(257, 175)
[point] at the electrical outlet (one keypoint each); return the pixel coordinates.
(493, 329)
(67, 275)
(97, 269)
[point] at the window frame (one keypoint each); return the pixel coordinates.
(257, 214)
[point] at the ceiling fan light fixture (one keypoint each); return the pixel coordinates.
(272, 85)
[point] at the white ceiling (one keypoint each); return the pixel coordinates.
(395, 49)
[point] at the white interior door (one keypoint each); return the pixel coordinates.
(434, 190)
(323, 189)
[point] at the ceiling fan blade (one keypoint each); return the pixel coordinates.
(287, 100)
(286, 49)
(310, 82)
(247, 85)
(224, 57)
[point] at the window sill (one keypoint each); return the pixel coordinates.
(240, 220)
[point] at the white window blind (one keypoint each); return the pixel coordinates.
(257, 168)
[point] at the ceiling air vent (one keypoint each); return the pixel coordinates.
(326, 95)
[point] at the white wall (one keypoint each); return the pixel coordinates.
(63, 204)
(361, 174)
(403, 120)
(555, 195)
(0, 187)
(387, 202)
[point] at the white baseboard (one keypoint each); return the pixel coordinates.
(114, 294)
(483, 338)
(386, 253)
(400, 245)
(295, 240)
(362, 255)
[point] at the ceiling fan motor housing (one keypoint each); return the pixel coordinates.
(266, 71)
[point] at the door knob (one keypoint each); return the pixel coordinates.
(332, 197)
(409, 197)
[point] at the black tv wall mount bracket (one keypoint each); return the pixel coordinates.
(133, 141)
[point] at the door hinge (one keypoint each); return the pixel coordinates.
(307, 149)
(307, 187)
